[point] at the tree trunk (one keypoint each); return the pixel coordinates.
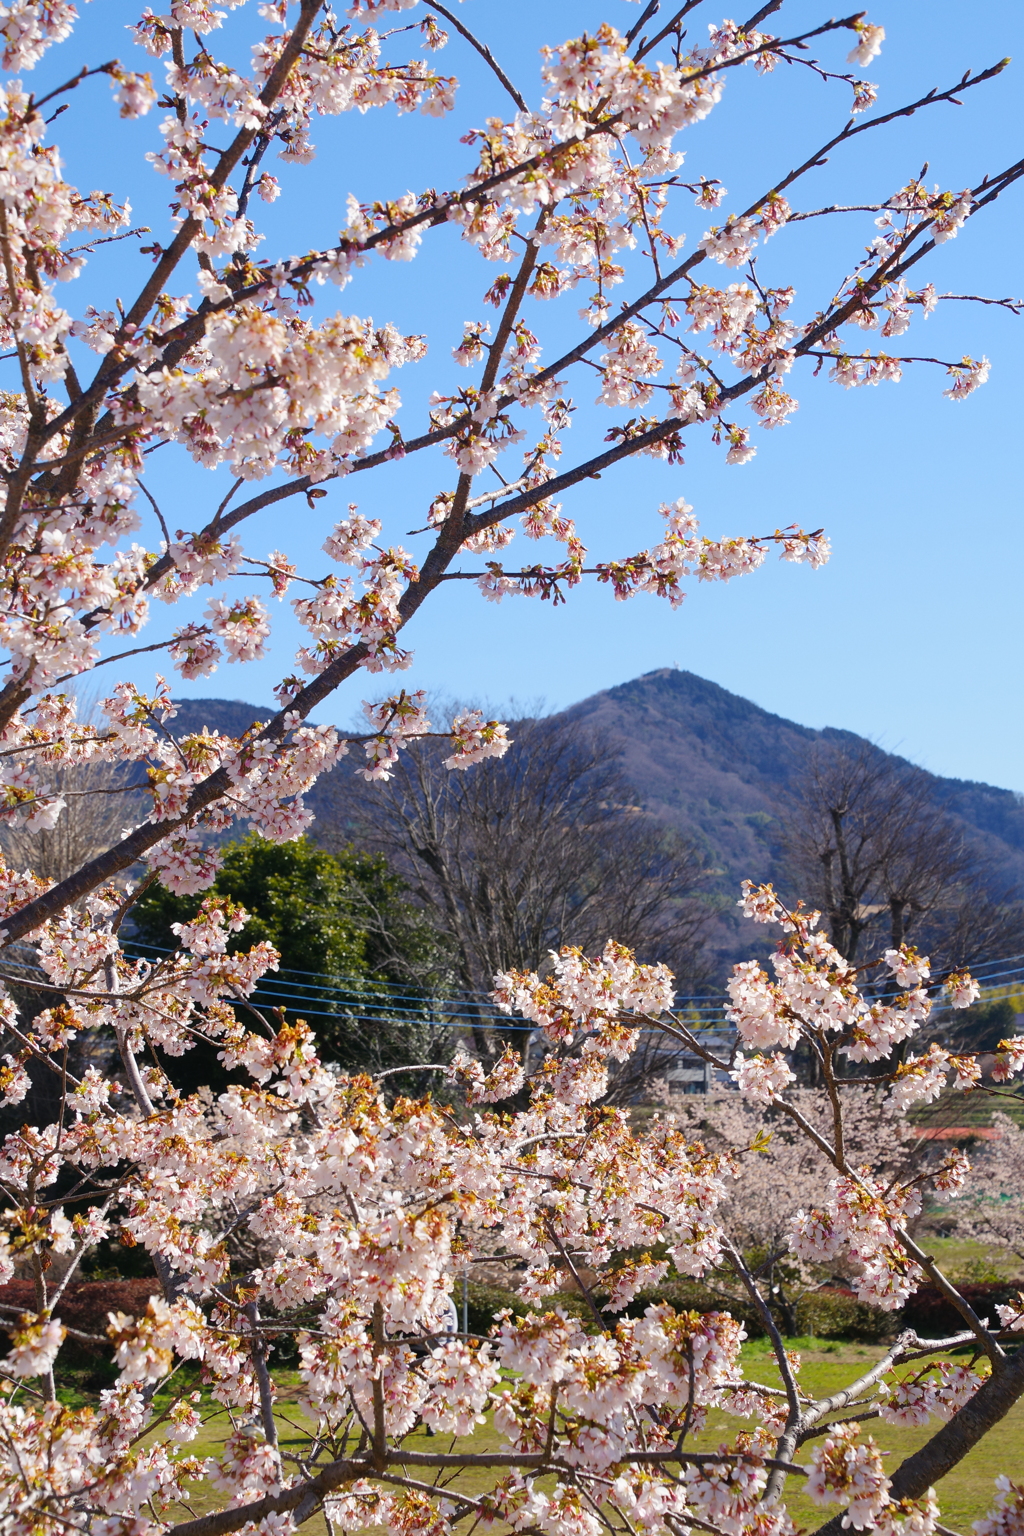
(945, 1450)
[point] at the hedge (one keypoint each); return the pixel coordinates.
(837, 1314)
(83, 1306)
(931, 1315)
(832, 1313)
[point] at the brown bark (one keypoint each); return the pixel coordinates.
(920, 1471)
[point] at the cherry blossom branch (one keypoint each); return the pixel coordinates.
(139, 650)
(650, 10)
(223, 1522)
(1016, 305)
(144, 488)
(15, 1313)
(439, 213)
(463, 1503)
(778, 44)
(551, 575)
(223, 523)
(630, 311)
(786, 1442)
(825, 1407)
(47, 746)
(733, 392)
(896, 265)
(305, 484)
(114, 365)
(226, 163)
(69, 85)
(179, 339)
(986, 1339)
(581, 1285)
(310, 1495)
(18, 476)
(482, 49)
(947, 1448)
(881, 356)
(826, 1054)
(377, 1391)
(419, 1066)
(258, 1352)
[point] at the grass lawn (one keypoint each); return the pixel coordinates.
(965, 1260)
(964, 1496)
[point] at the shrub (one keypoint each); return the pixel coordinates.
(828, 1314)
(84, 1306)
(837, 1314)
(931, 1315)
(485, 1301)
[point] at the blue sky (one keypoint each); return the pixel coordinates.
(912, 634)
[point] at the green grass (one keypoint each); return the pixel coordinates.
(966, 1261)
(969, 1109)
(965, 1495)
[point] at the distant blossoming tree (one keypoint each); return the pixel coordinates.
(780, 1168)
(995, 1211)
(366, 1209)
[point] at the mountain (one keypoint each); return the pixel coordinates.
(717, 768)
(228, 716)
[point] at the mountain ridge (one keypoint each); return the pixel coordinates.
(716, 767)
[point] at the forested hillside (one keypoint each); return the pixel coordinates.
(718, 769)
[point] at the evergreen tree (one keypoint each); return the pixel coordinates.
(358, 959)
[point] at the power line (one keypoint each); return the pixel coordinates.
(372, 1000)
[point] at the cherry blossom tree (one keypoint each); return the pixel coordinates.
(781, 1171)
(361, 1210)
(254, 379)
(995, 1212)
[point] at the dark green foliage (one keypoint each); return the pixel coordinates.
(358, 961)
(982, 1027)
(485, 1301)
(686, 1295)
(836, 1314)
(933, 1316)
(309, 904)
(827, 1314)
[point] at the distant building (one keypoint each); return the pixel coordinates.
(688, 1074)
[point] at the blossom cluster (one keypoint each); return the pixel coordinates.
(302, 1202)
(359, 1210)
(360, 1214)
(817, 999)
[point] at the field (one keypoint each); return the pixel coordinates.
(964, 1496)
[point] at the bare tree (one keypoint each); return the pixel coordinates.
(869, 842)
(545, 848)
(101, 801)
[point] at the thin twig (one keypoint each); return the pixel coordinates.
(482, 49)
